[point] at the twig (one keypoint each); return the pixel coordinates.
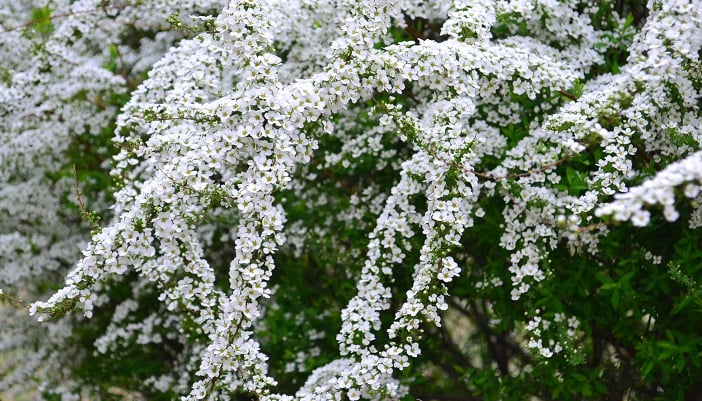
(188, 187)
(567, 94)
(346, 187)
(64, 15)
(123, 70)
(15, 302)
(413, 32)
(543, 168)
(83, 210)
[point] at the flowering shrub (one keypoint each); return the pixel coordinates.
(330, 200)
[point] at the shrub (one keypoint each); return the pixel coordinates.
(435, 200)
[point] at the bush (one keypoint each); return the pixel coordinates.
(438, 200)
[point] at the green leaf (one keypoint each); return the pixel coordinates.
(680, 305)
(629, 20)
(616, 296)
(41, 20)
(603, 278)
(648, 367)
(575, 182)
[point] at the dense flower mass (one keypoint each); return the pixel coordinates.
(330, 200)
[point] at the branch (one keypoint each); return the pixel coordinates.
(346, 187)
(90, 217)
(17, 303)
(65, 15)
(123, 70)
(527, 173)
(503, 342)
(567, 94)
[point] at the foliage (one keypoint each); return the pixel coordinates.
(254, 199)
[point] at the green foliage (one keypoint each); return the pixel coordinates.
(636, 293)
(41, 21)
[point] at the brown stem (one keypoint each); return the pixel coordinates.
(502, 343)
(346, 187)
(15, 302)
(123, 69)
(567, 94)
(527, 173)
(83, 210)
(65, 15)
